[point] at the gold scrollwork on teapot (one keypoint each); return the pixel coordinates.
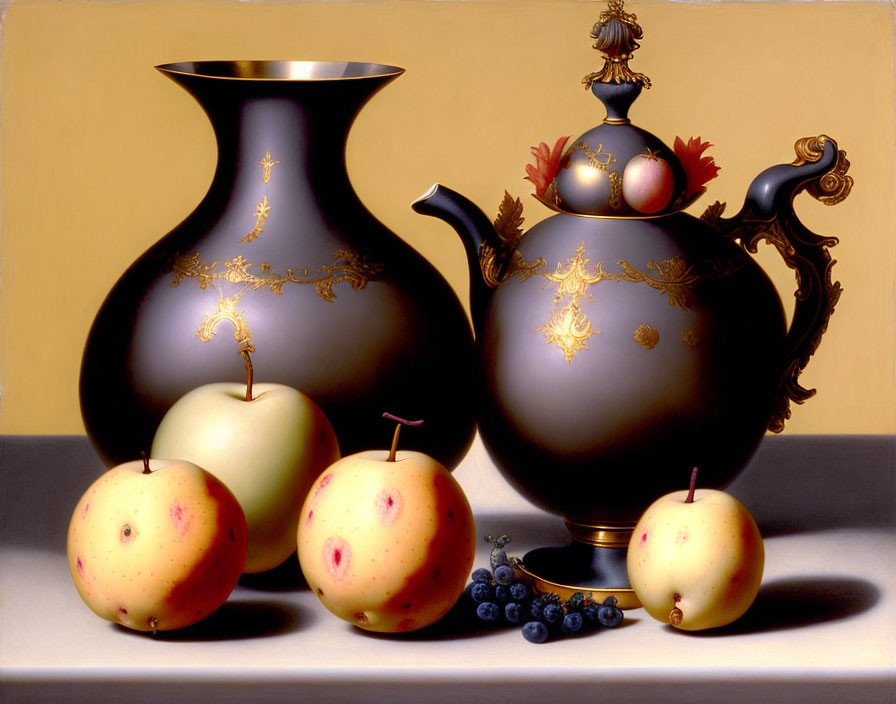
(575, 280)
(803, 251)
(646, 336)
(569, 328)
(674, 277)
(503, 262)
(601, 160)
(835, 185)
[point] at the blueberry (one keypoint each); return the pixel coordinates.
(553, 613)
(537, 607)
(504, 574)
(487, 611)
(535, 632)
(502, 594)
(481, 592)
(591, 614)
(576, 602)
(482, 575)
(609, 616)
(498, 557)
(572, 622)
(514, 612)
(519, 591)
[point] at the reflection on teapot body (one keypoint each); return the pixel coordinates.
(622, 341)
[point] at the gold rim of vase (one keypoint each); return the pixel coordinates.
(285, 71)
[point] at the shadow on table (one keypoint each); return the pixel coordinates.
(461, 623)
(458, 624)
(287, 577)
(799, 602)
(238, 620)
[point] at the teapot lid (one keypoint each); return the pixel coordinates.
(617, 169)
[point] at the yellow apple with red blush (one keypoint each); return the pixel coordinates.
(695, 559)
(386, 539)
(156, 545)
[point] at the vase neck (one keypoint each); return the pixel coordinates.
(264, 140)
(281, 132)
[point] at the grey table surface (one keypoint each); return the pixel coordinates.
(823, 628)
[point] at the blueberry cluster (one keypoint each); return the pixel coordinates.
(500, 597)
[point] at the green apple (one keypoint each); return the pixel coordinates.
(387, 539)
(266, 442)
(695, 559)
(156, 544)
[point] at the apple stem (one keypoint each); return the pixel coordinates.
(146, 469)
(399, 422)
(249, 373)
(692, 487)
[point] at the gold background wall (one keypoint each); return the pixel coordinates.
(101, 155)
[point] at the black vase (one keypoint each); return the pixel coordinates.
(281, 260)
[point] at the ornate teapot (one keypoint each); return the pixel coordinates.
(623, 341)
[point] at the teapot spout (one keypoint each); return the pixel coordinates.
(476, 232)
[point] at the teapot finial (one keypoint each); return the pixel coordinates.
(617, 169)
(616, 33)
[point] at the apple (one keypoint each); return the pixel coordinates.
(695, 558)
(648, 183)
(156, 545)
(387, 539)
(266, 442)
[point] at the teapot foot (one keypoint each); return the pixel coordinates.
(579, 567)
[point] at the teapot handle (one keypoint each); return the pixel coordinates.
(819, 169)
